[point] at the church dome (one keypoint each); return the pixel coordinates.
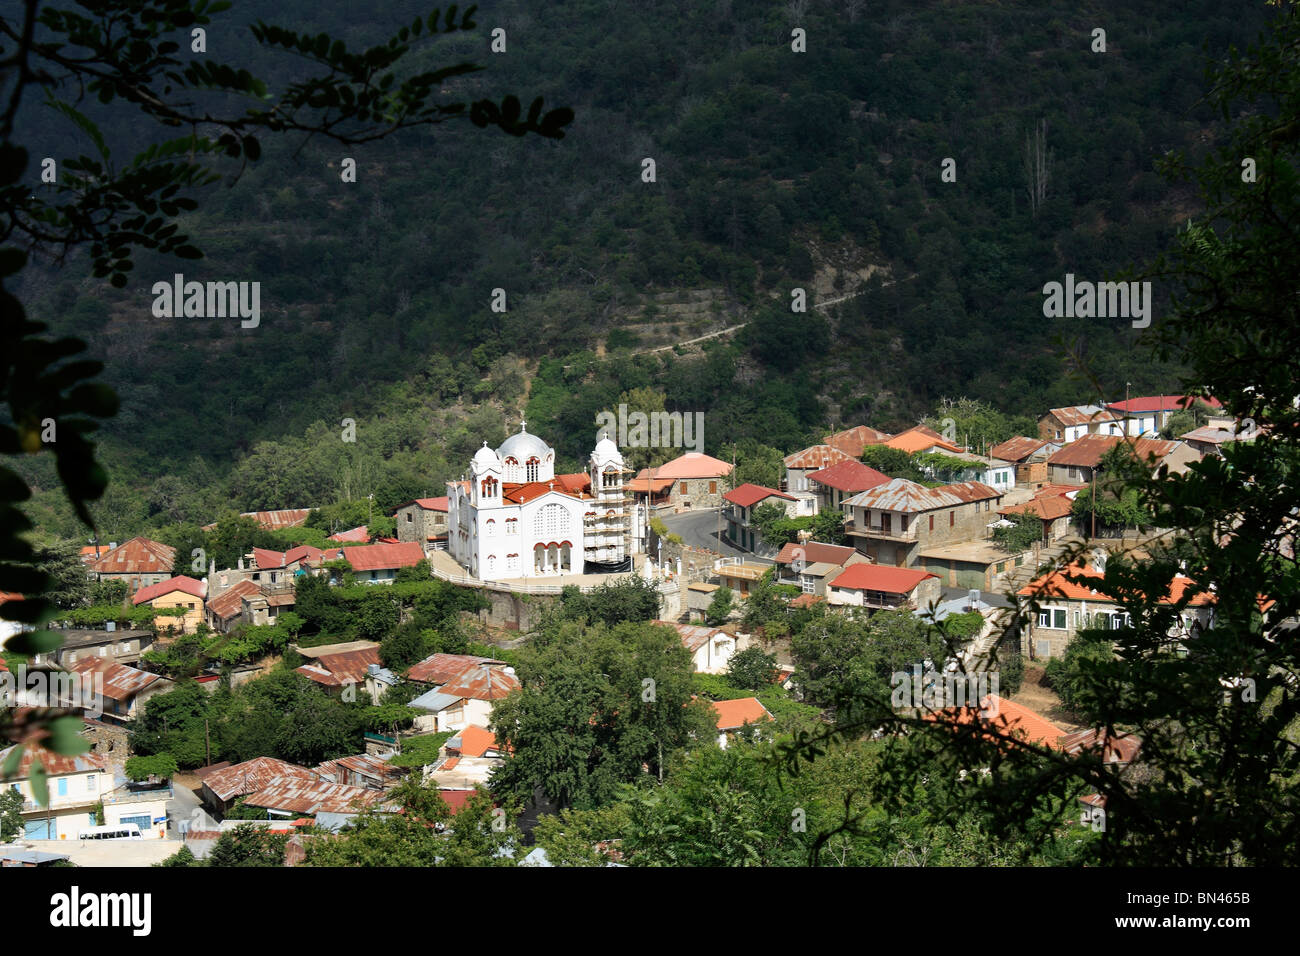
(485, 457)
(606, 451)
(522, 446)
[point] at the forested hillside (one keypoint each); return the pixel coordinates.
(774, 169)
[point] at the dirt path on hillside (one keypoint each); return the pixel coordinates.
(1039, 698)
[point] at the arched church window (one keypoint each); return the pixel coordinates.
(533, 465)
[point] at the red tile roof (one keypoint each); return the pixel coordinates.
(849, 476)
(532, 490)
(693, 464)
(853, 440)
(733, 714)
(475, 741)
(1017, 449)
(433, 504)
(179, 583)
(1049, 508)
(749, 494)
(814, 552)
(1056, 584)
(359, 534)
(1007, 718)
(137, 556)
(879, 577)
(379, 557)
(806, 600)
(817, 456)
(920, 438)
(1114, 748)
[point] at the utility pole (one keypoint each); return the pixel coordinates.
(1094, 503)
(207, 742)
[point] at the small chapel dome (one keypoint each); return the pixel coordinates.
(522, 446)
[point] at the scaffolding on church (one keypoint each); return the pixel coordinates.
(607, 529)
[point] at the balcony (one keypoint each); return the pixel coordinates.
(879, 533)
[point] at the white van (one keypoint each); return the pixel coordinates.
(123, 831)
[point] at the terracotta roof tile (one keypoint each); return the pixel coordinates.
(849, 476)
(733, 714)
(181, 583)
(879, 577)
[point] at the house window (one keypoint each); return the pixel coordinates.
(491, 563)
(91, 782)
(1058, 619)
(1044, 619)
(952, 518)
(681, 490)
(931, 522)
(63, 786)
(806, 584)
(1044, 648)
(713, 487)
(512, 526)
(409, 517)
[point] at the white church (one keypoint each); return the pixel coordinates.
(514, 517)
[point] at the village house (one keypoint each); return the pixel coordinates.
(76, 784)
(689, 482)
(919, 439)
(464, 688)
(178, 592)
(967, 466)
(853, 440)
(465, 761)
(121, 647)
(1076, 463)
(843, 480)
(710, 648)
(734, 716)
(378, 563)
(227, 608)
(337, 667)
(1148, 414)
(802, 463)
(808, 565)
(273, 520)
(1066, 425)
(1004, 718)
(894, 522)
(423, 520)
(223, 784)
(1029, 458)
(368, 771)
(1053, 506)
(125, 689)
(139, 563)
(1066, 607)
(739, 512)
(287, 798)
(877, 587)
(1210, 439)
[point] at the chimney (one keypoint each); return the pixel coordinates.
(241, 564)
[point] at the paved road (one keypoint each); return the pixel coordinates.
(699, 529)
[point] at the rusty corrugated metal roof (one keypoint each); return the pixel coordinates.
(253, 775)
(120, 682)
(137, 556)
(229, 603)
(441, 668)
(907, 496)
(1088, 450)
(816, 456)
(381, 557)
(1084, 415)
(335, 670)
(1018, 449)
(55, 765)
(853, 440)
(294, 796)
(693, 636)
